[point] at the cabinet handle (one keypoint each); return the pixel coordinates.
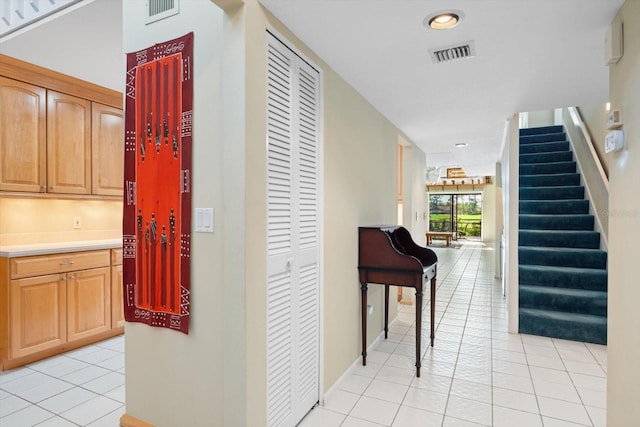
(72, 277)
(52, 187)
(66, 262)
(63, 278)
(43, 187)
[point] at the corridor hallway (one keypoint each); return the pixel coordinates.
(477, 374)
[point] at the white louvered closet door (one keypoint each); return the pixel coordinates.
(293, 296)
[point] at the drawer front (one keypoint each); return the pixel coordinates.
(116, 256)
(58, 263)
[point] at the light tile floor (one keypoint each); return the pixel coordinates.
(477, 374)
(83, 387)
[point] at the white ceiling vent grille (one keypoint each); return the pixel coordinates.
(453, 53)
(160, 9)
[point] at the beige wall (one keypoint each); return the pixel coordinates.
(624, 233)
(28, 220)
(540, 118)
(175, 379)
(218, 371)
(414, 194)
(489, 214)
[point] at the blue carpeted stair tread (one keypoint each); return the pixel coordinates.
(544, 147)
(564, 299)
(547, 168)
(559, 192)
(549, 180)
(594, 279)
(542, 137)
(554, 206)
(541, 130)
(562, 257)
(586, 239)
(569, 326)
(551, 157)
(556, 221)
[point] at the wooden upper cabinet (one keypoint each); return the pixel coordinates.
(22, 137)
(68, 144)
(107, 137)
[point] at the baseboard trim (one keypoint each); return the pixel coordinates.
(129, 421)
(357, 362)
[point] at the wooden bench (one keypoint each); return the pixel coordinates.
(447, 235)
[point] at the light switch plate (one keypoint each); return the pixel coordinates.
(204, 220)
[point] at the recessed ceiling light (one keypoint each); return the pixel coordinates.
(443, 20)
(461, 144)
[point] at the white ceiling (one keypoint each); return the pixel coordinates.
(530, 55)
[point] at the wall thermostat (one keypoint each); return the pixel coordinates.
(614, 141)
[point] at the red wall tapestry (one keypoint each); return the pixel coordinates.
(157, 201)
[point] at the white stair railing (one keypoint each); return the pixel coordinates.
(18, 14)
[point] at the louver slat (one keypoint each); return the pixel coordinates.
(453, 53)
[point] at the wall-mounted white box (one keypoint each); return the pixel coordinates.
(614, 141)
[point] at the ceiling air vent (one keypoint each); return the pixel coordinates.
(160, 9)
(453, 53)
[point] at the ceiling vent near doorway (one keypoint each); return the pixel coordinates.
(448, 54)
(160, 9)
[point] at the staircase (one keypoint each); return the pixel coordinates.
(562, 271)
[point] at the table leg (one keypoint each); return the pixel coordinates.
(363, 289)
(386, 311)
(418, 329)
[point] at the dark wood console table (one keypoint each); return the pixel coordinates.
(387, 255)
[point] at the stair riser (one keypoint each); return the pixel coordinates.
(556, 222)
(554, 207)
(565, 258)
(593, 280)
(567, 330)
(541, 130)
(548, 168)
(547, 137)
(551, 193)
(568, 304)
(549, 180)
(556, 156)
(544, 147)
(585, 240)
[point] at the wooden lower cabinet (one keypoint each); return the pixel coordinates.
(39, 316)
(88, 303)
(117, 303)
(56, 303)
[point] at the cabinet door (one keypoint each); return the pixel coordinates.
(22, 137)
(38, 314)
(107, 150)
(68, 144)
(88, 302)
(117, 304)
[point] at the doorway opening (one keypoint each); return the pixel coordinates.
(460, 214)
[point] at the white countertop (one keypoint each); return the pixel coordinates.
(11, 251)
